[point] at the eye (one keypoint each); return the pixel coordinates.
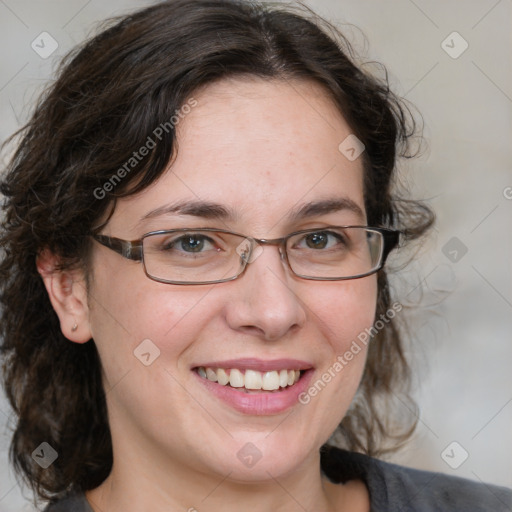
(323, 240)
(194, 243)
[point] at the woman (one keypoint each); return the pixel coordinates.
(200, 211)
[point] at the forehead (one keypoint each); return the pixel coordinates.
(262, 148)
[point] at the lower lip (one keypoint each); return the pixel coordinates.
(259, 403)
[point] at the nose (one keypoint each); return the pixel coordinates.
(265, 298)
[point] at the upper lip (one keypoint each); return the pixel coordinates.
(258, 364)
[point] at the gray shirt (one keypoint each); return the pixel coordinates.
(392, 488)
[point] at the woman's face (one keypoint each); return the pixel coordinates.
(262, 150)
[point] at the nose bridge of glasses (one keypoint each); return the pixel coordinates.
(256, 249)
(279, 242)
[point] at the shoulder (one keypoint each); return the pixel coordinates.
(394, 487)
(71, 503)
(429, 491)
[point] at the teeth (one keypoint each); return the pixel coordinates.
(210, 374)
(236, 378)
(270, 381)
(222, 377)
(251, 379)
(283, 378)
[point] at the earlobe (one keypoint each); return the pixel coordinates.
(68, 295)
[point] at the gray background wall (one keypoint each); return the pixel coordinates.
(462, 327)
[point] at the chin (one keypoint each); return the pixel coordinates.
(265, 469)
(256, 459)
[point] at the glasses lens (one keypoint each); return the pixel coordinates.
(335, 252)
(193, 256)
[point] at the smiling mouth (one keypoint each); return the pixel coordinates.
(251, 381)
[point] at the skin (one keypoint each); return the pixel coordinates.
(261, 148)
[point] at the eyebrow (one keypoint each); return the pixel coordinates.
(217, 211)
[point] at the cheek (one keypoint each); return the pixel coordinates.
(342, 313)
(127, 309)
(345, 310)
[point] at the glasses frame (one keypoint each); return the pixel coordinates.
(133, 250)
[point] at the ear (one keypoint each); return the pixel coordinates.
(68, 295)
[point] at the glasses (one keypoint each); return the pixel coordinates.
(209, 255)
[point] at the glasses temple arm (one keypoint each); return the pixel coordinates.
(129, 250)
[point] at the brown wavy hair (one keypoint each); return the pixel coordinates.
(109, 96)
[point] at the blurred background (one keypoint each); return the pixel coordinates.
(452, 60)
